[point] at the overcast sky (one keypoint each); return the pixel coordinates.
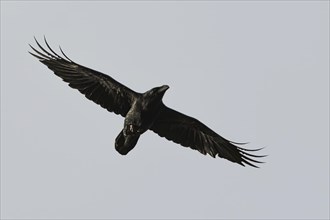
(255, 72)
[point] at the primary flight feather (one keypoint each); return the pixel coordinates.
(142, 111)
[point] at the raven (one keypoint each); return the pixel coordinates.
(142, 111)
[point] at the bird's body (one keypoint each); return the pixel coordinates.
(142, 111)
(140, 118)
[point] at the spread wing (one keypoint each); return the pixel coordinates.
(96, 86)
(190, 132)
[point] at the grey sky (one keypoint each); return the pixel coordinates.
(252, 71)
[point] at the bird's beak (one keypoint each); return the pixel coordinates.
(163, 88)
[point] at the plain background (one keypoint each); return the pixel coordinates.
(252, 71)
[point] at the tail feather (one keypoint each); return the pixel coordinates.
(125, 144)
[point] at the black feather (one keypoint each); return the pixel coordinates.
(142, 112)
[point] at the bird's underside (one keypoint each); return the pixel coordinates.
(142, 111)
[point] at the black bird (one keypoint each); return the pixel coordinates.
(142, 111)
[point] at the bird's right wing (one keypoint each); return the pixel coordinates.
(190, 132)
(96, 86)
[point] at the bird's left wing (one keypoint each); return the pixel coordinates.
(96, 86)
(190, 132)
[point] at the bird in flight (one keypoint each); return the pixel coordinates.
(142, 111)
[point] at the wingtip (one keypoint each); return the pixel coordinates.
(65, 55)
(250, 164)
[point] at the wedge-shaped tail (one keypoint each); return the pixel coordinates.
(125, 144)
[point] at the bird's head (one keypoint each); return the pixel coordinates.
(161, 89)
(157, 93)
